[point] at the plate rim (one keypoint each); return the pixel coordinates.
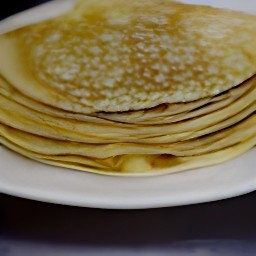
(128, 203)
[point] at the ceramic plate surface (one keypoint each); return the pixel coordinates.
(25, 178)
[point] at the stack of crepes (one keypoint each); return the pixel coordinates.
(129, 87)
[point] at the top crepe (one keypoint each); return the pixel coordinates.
(120, 55)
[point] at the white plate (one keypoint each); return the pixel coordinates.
(29, 179)
(25, 178)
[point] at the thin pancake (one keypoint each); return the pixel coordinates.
(48, 126)
(159, 164)
(162, 114)
(202, 145)
(101, 61)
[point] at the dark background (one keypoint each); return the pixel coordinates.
(27, 228)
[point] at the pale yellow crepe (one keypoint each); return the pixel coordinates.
(202, 145)
(128, 87)
(138, 165)
(18, 116)
(120, 55)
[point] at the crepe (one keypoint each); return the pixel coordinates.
(129, 88)
(121, 56)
